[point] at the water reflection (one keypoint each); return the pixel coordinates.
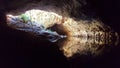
(93, 40)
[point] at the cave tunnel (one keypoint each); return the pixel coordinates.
(67, 34)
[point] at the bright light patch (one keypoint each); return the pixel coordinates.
(47, 19)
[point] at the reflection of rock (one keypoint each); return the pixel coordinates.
(87, 37)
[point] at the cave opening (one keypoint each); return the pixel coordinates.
(78, 33)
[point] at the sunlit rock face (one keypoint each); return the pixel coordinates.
(79, 37)
(36, 22)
